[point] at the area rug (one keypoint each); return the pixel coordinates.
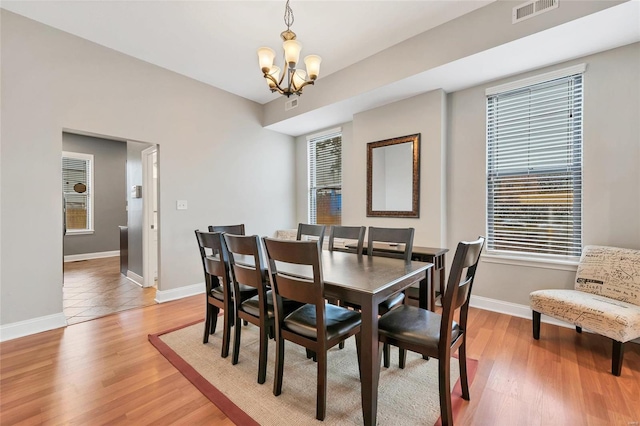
(405, 397)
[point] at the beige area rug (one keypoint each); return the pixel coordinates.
(405, 397)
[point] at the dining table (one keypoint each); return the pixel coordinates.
(367, 281)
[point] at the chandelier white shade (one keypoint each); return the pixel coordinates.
(292, 79)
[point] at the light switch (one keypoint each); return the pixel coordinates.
(181, 204)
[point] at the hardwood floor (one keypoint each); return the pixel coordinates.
(105, 371)
(95, 288)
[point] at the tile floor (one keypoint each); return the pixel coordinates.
(95, 288)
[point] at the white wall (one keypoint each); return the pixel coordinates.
(611, 172)
(53, 81)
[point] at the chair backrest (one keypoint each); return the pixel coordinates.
(290, 286)
(229, 229)
(247, 264)
(213, 252)
(458, 292)
(347, 233)
(611, 272)
(306, 229)
(402, 236)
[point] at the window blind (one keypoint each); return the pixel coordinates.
(76, 172)
(325, 179)
(534, 168)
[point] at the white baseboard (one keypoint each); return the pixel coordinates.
(516, 310)
(135, 278)
(163, 296)
(32, 326)
(87, 256)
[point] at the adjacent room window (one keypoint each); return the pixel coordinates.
(77, 187)
(534, 166)
(325, 178)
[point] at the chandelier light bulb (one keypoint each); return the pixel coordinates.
(313, 65)
(275, 73)
(292, 50)
(266, 55)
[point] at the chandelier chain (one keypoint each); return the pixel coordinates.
(288, 15)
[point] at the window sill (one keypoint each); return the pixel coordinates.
(80, 232)
(568, 264)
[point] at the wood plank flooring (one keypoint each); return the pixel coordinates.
(105, 371)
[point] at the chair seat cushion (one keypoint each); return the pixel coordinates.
(384, 307)
(390, 303)
(611, 318)
(339, 321)
(252, 305)
(245, 292)
(415, 326)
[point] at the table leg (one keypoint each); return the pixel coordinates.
(426, 292)
(370, 362)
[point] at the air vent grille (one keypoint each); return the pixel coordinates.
(293, 103)
(532, 8)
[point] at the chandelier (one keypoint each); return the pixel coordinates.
(292, 79)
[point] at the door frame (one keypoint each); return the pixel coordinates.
(147, 212)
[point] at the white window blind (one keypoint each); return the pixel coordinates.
(534, 168)
(77, 187)
(325, 179)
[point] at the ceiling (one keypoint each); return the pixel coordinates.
(215, 42)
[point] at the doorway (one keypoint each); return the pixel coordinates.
(93, 285)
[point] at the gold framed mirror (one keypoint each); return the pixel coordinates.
(393, 177)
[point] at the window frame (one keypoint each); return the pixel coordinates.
(312, 141)
(528, 258)
(90, 192)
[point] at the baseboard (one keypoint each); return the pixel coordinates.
(517, 310)
(163, 296)
(135, 278)
(32, 326)
(87, 256)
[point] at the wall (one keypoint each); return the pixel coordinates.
(53, 81)
(110, 202)
(421, 114)
(611, 170)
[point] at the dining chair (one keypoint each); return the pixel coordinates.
(249, 271)
(229, 229)
(218, 289)
(317, 325)
(347, 233)
(309, 230)
(401, 240)
(438, 335)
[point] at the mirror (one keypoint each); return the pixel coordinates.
(393, 177)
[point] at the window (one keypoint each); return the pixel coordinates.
(534, 166)
(325, 178)
(77, 187)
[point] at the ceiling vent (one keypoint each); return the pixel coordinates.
(293, 103)
(532, 8)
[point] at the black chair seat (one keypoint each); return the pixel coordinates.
(245, 292)
(415, 326)
(390, 303)
(338, 319)
(252, 306)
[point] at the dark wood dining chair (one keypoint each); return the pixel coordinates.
(229, 229)
(434, 335)
(218, 288)
(316, 325)
(309, 230)
(249, 271)
(355, 233)
(401, 239)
